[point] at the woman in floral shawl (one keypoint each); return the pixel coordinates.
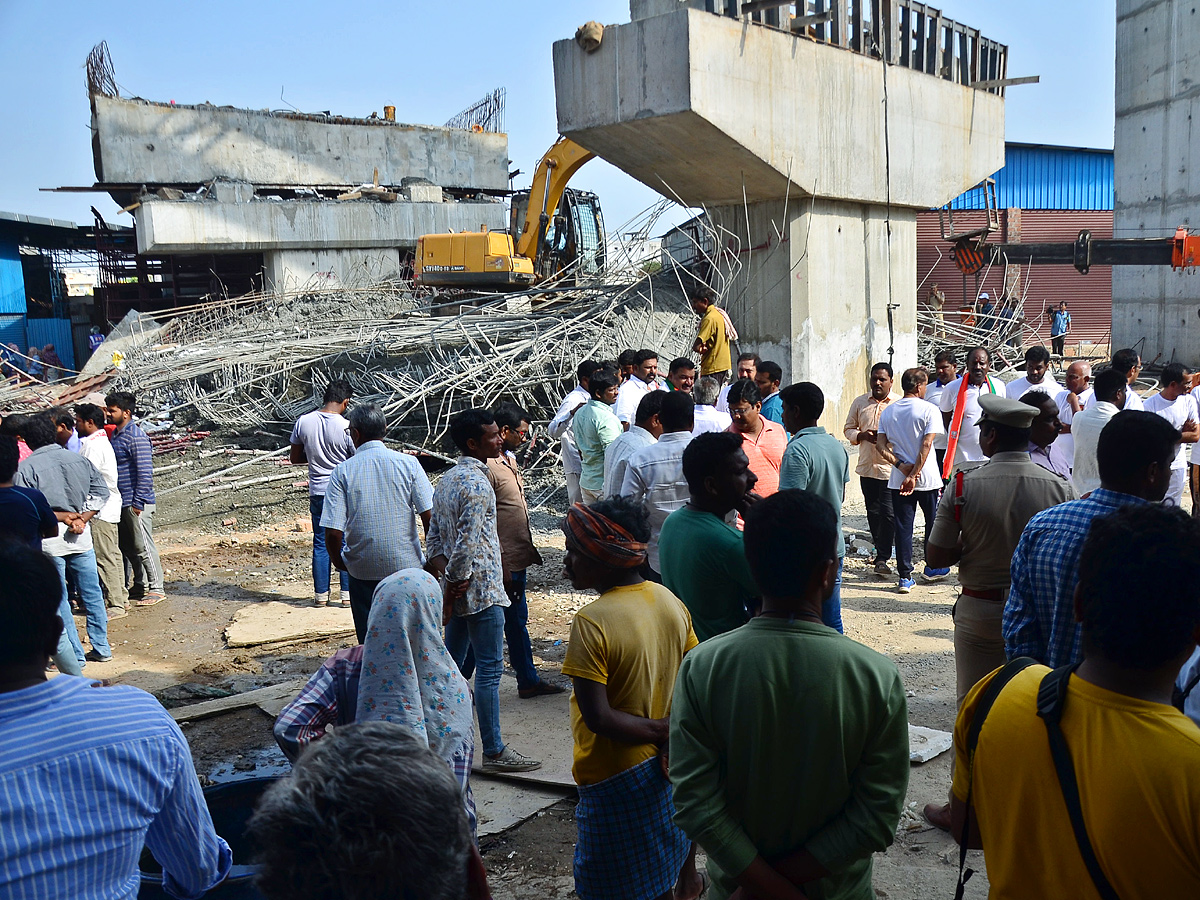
(408, 676)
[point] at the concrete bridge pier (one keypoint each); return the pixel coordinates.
(809, 153)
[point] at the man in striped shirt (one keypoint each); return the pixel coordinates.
(88, 775)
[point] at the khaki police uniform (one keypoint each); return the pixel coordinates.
(987, 508)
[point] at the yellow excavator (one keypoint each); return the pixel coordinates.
(555, 228)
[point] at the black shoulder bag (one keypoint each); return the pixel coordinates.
(1052, 697)
(990, 693)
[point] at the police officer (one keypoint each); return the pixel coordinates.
(979, 522)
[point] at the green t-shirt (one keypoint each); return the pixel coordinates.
(704, 564)
(787, 735)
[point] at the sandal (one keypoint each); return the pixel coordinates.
(152, 598)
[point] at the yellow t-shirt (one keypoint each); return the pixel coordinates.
(631, 639)
(1138, 768)
(712, 332)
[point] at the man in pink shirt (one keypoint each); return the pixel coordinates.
(763, 440)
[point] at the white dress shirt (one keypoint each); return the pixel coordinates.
(629, 396)
(616, 457)
(654, 476)
(96, 449)
(1086, 428)
(709, 418)
(560, 429)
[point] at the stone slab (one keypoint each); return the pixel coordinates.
(284, 691)
(540, 728)
(926, 743)
(274, 622)
(501, 803)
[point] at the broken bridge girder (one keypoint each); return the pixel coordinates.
(971, 254)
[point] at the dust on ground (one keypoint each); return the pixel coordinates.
(177, 651)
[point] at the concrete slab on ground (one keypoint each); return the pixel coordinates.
(926, 743)
(274, 622)
(501, 803)
(540, 728)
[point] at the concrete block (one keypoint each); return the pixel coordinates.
(153, 143)
(422, 193)
(291, 270)
(232, 191)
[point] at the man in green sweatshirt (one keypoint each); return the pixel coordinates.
(789, 741)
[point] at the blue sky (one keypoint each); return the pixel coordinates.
(429, 60)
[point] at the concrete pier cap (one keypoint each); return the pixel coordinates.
(810, 159)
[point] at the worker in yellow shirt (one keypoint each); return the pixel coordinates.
(712, 340)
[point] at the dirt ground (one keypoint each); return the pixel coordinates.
(177, 651)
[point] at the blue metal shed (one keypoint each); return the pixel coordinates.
(12, 280)
(1040, 176)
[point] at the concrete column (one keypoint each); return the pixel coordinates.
(808, 284)
(1157, 174)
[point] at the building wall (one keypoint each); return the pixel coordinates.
(12, 280)
(1157, 172)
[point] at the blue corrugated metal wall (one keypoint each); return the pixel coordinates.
(12, 281)
(1049, 178)
(12, 331)
(40, 332)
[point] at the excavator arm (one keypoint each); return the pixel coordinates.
(550, 179)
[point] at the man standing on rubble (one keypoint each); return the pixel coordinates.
(321, 438)
(135, 479)
(714, 335)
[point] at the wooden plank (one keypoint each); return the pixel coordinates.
(207, 708)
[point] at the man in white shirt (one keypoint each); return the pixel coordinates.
(1129, 364)
(907, 431)
(962, 426)
(643, 380)
(646, 429)
(654, 475)
(747, 367)
(1175, 403)
(945, 370)
(707, 417)
(1036, 378)
(95, 448)
(321, 439)
(1110, 389)
(1073, 399)
(560, 428)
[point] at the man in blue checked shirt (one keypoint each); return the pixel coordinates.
(135, 480)
(88, 774)
(1134, 455)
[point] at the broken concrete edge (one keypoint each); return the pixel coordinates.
(207, 708)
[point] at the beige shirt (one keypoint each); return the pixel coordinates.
(517, 550)
(864, 416)
(998, 500)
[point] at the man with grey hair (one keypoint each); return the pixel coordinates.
(708, 417)
(368, 811)
(370, 510)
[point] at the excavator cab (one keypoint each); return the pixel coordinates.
(573, 238)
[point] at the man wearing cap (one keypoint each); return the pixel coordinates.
(623, 657)
(978, 525)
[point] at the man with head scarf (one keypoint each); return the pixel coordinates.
(623, 656)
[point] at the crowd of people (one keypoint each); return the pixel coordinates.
(39, 364)
(715, 701)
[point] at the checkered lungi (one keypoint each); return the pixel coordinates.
(628, 847)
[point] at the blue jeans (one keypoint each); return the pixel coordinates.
(516, 634)
(82, 567)
(905, 509)
(483, 633)
(320, 555)
(361, 595)
(831, 609)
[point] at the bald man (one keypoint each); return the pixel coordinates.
(1077, 394)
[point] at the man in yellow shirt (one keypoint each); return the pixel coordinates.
(1136, 758)
(623, 656)
(712, 340)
